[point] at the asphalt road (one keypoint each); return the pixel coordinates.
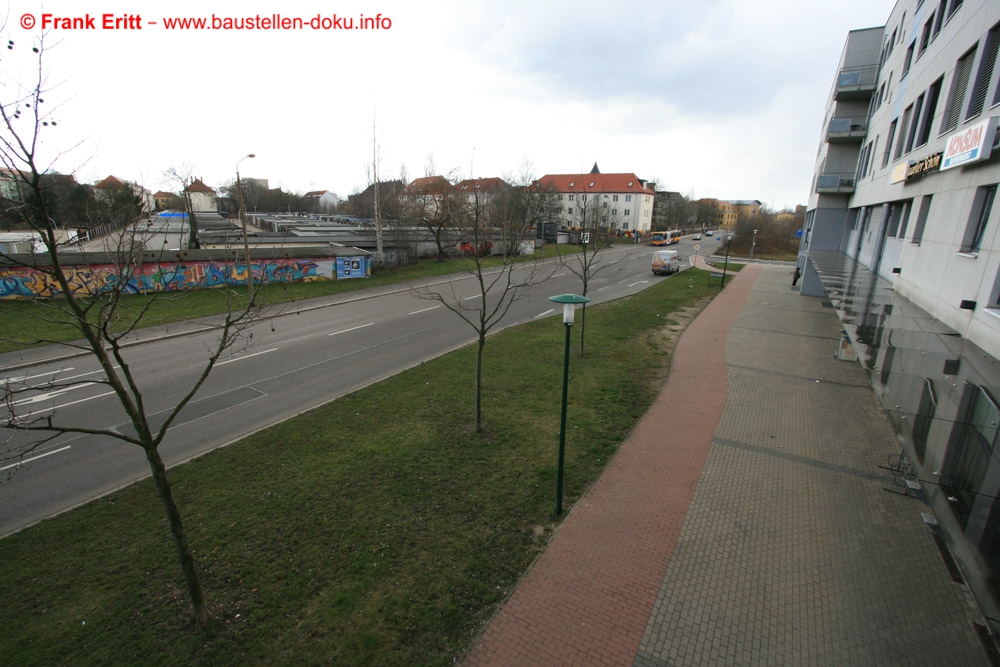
(293, 362)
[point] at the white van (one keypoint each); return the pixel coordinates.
(666, 261)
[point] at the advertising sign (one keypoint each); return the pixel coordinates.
(972, 144)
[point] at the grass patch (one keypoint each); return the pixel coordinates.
(26, 324)
(375, 530)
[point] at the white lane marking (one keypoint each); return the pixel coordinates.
(469, 298)
(559, 275)
(424, 310)
(53, 408)
(351, 329)
(51, 394)
(245, 356)
(22, 378)
(603, 288)
(35, 458)
(550, 310)
(639, 283)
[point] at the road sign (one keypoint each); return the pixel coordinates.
(697, 247)
(586, 237)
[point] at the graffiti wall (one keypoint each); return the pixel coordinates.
(24, 283)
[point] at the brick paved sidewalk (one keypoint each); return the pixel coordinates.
(587, 599)
(745, 520)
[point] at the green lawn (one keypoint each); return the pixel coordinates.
(31, 323)
(376, 530)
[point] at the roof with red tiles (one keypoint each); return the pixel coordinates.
(429, 185)
(491, 185)
(110, 183)
(198, 186)
(626, 182)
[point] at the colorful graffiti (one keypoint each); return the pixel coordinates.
(26, 283)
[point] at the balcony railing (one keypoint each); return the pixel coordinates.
(856, 83)
(847, 129)
(835, 184)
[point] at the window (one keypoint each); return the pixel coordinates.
(985, 74)
(913, 127)
(904, 218)
(908, 60)
(939, 18)
(570, 210)
(899, 213)
(982, 205)
(902, 132)
(570, 197)
(888, 143)
(560, 197)
(614, 197)
(918, 228)
(955, 4)
(925, 37)
(626, 213)
(970, 450)
(933, 93)
(628, 197)
(959, 84)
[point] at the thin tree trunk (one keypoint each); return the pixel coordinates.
(199, 607)
(479, 381)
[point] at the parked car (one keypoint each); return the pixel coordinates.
(696, 237)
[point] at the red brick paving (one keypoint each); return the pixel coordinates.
(587, 599)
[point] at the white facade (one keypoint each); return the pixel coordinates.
(903, 238)
(621, 202)
(935, 79)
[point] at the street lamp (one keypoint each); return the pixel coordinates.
(725, 266)
(243, 222)
(753, 243)
(568, 301)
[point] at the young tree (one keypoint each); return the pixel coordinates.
(596, 219)
(100, 314)
(492, 225)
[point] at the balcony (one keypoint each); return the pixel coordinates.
(835, 184)
(847, 130)
(856, 83)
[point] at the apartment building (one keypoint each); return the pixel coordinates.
(902, 235)
(620, 202)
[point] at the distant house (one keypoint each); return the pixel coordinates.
(480, 187)
(203, 198)
(164, 200)
(362, 204)
(322, 201)
(105, 190)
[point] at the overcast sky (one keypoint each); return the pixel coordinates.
(715, 98)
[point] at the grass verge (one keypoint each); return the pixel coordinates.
(376, 530)
(31, 323)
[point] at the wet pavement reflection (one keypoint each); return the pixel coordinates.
(940, 393)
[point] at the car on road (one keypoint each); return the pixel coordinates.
(696, 237)
(666, 261)
(709, 232)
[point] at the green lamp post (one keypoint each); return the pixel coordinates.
(569, 302)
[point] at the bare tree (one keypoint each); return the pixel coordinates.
(98, 312)
(491, 236)
(596, 218)
(433, 202)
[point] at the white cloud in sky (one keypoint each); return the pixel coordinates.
(721, 98)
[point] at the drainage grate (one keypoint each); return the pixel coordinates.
(989, 645)
(949, 561)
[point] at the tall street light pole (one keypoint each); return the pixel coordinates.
(568, 301)
(753, 244)
(243, 222)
